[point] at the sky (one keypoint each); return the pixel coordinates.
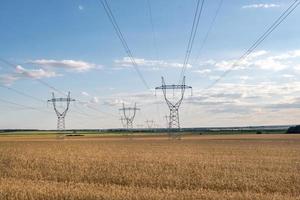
(70, 45)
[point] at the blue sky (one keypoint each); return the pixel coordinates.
(72, 46)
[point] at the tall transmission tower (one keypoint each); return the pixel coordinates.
(150, 123)
(122, 119)
(167, 121)
(129, 115)
(61, 115)
(173, 106)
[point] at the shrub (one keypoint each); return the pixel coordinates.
(294, 129)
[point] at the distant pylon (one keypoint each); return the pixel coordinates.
(173, 106)
(122, 119)
(61, 115)
(129, 115)
(150, 123)
(167, 121)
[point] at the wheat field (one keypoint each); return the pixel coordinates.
(196, 167)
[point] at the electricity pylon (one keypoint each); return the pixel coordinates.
(122, 119)
(173, 106)
(129, 115)
(61, 115)
(167, 121)
(150, 123)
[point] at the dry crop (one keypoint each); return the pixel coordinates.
(196, 167)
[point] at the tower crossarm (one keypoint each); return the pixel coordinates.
(173, 87)
(61, 115)
(173, 106)
(129, 114)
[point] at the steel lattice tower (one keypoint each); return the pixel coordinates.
(173, 106)
(167, 121)
(122, 119)
(61, 115)
(150, 123)
(129, 115)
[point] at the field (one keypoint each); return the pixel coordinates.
(264, 166)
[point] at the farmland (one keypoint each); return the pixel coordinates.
(249, 166)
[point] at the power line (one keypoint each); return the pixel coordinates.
(209, 29)
(41, 82)
(113, 21)
(21, 105)
(27, 76)
(35, 98)
(22, 93)
(89, 106)
(152, 28)
(193, 33)
(277, 22)
(154, 45)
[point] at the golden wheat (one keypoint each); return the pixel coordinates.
(196, 167)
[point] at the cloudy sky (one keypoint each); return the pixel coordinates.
(71, 45)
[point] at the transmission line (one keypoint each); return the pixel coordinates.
(35, 98)
(43, 83)
(27, 76)
(117, 29)
(152, 28)
(209, 29)
(22, 93)
(21, 105)
(94, 109)
(193, 33)
(155, 46)
(250, 50)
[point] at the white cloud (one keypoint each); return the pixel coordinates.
(227, 98)
(261, 5)
(297, 68)
(261, 60)
(214, 77)
(140, 98)
(94, 100)
(153, 64)
(240, 64)
(288, 76)
(270, 64)
(21, 72)
(245, 78)
(35, 73)
(256, 54)
(203, 71)
(247, 98)
(85, 94)
(73, 65)
(114, 102)
(287, 55)
(80, 7)
(8, 79)
(228, 64)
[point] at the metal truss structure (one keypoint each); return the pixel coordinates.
(122, 119)
(61, 115)
(167, 121)
(150, 124)
(129, 114)
(174, 106)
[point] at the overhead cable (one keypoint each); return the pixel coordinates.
(120, 35)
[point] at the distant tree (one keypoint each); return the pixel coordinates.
(294, 129)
